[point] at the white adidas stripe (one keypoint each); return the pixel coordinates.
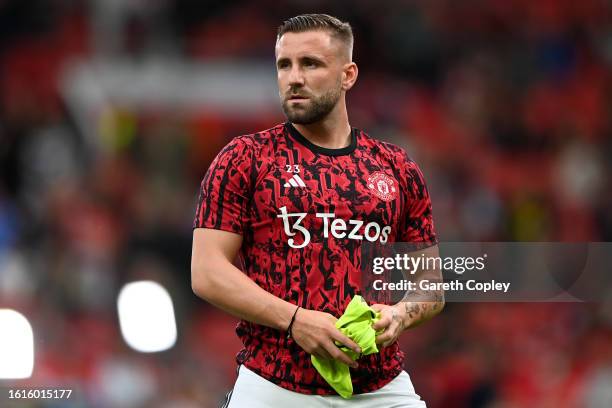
(295, 181)
(299, 180)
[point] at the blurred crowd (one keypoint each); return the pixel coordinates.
(506, 105)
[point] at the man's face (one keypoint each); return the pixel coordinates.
(309, 66)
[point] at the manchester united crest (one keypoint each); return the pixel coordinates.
(383, 186)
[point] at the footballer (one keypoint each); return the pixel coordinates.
(296, 202)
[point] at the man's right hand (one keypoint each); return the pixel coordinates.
(316, 332)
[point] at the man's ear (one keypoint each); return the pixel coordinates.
(349, 75)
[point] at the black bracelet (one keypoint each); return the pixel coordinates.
(291, 323)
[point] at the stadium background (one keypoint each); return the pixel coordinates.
(111, 111)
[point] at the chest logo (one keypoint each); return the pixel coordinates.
(295, 180)
(383, 186)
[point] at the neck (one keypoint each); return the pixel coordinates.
(333, 132)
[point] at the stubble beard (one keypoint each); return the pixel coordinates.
(315, 110)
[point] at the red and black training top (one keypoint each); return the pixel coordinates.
(303, 212)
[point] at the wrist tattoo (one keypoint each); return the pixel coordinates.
(412, 309)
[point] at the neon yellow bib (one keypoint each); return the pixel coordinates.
(355, 323)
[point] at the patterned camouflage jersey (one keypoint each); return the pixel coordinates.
(303, 212)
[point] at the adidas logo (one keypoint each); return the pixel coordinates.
(295, 181)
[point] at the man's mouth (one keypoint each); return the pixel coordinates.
(297, 98)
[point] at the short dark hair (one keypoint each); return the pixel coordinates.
(309, 22)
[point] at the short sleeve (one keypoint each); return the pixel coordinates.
(225, 189)
(418, 225)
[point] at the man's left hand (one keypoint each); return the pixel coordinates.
(391, 320)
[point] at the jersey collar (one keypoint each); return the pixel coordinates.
(295, 134)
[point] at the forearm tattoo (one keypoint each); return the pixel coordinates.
(422, 310)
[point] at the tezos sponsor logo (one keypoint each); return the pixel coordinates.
(337, 227)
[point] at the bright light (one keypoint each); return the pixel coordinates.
(146, 316)
(16, 345)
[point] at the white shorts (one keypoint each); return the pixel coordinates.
(253, 391)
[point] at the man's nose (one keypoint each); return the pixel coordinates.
(296, 76)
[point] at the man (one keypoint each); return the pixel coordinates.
(296, 202)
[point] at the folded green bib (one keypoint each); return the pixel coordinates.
(356, 324)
